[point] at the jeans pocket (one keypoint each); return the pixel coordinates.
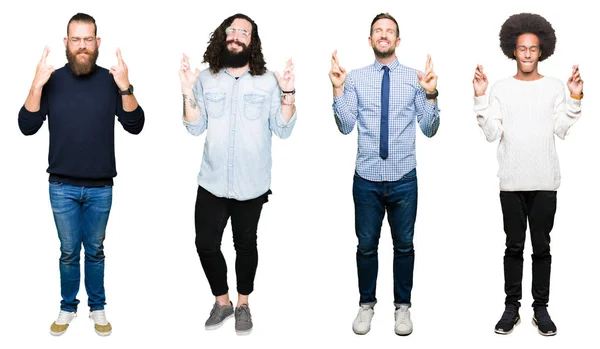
(411, 175)
(215, 104)
(253, 104)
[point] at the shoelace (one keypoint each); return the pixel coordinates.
(243, 314)
(63, 317)
(364, 314)
(99, 317)
(402, 314)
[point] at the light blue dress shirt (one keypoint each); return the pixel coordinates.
(361, 103)
(239, 116)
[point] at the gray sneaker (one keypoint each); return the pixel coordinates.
(243, 320)
(218, 315)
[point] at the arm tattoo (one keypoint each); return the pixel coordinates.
(184, 97)
(193, 104)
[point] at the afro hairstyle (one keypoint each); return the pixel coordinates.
(527, 23)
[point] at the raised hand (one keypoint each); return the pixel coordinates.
(337, 74)
(286, 81)
(120, 72)
(575, 84)
(428, 80)
(480, 81)
(186, 75)
(43, 71)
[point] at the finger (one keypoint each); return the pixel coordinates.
(419, 76)
(119, 57)
(45, 54)
(335, 57)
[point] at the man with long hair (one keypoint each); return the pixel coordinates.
(525, 112)
(80, 101)
(386, 99)
(239, 103)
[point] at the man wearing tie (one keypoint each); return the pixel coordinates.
(385, 99)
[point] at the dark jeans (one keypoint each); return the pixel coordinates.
(211, 218)
(371, 200)
(537, 207)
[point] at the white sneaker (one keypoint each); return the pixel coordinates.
(61, 324)
(362, 323)
(404, 325)
(101, 325)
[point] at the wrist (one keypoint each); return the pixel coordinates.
(338, 91)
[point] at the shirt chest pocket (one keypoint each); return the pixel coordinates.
(253, 105)
(215, 104)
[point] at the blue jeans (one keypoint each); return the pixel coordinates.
(371, 200)
(81, 215)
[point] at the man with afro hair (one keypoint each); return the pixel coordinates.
(525, 111)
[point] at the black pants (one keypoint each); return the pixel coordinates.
(211, 218)
(537, 207)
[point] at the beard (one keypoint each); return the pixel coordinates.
(383, 54)
(78, 67)
(234, 59)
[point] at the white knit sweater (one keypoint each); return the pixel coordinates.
(526, 115)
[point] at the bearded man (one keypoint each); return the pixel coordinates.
(244, 104)
(81, 100)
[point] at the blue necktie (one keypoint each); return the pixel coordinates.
(385, 106)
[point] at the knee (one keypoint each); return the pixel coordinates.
(367, 248)
(540, 251)
(514, 248)
(404, 248)
(69, 254)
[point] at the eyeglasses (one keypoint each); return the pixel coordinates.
(241, 32)
(532, 49)
(88, 40)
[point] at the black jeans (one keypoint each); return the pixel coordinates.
(537, 207)
(211, 218)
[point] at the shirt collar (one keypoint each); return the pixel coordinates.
(393, 65)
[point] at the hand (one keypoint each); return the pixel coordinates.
(575, 84)
(186, 75)
(337, 74)
(120, 73)
(43, 71)
(428, 81)
(480, 81)
(286, 82)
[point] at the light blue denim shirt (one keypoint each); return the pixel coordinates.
(239, 115)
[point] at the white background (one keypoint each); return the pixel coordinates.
(306, 290)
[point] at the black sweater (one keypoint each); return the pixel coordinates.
(81, 120)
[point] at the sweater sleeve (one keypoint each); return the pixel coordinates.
(132, 121)
(31, 121)
(566, 113)
(489, 115)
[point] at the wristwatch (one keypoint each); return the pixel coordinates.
(128, 91)
(431, 95)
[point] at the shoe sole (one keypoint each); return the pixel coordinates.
(243, 333)
(103, 334)
(549, 334)
(501, 331)
(402, 334)
(56, 334)
(216, 326)
(361, 333)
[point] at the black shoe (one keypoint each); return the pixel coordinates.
(510, 318)
(543, 322)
